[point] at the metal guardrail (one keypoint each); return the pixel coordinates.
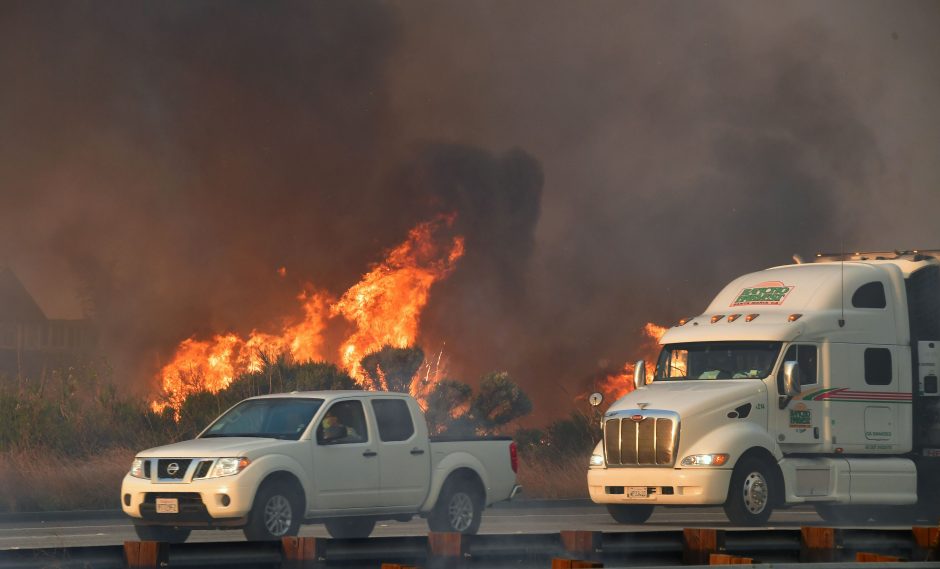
(520, 551)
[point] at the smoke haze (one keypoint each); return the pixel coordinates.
(610, 163)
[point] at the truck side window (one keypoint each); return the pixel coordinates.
(871, 295)
(343, 423)
(394, 419)
(878, 366)
(805, 356)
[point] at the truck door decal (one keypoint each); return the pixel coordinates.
(844, 394)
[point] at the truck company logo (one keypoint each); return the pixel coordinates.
(770, 292)
(800, 417)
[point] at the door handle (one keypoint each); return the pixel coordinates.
(369, 453)
(417, 451)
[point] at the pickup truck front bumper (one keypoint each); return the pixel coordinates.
(214, 502)
(662, 486)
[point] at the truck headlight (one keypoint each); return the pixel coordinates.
(597, 460)
(137, 468)
(228, 466)
(705, 460)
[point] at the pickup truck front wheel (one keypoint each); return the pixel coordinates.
(165, 534)
(276, 513)
(459, 508)
(343, 528)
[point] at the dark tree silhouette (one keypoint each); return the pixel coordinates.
(397, 365)
(499, 401)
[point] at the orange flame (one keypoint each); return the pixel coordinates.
(619, 384)
(385, 307)
(386, 304)
(211, 365)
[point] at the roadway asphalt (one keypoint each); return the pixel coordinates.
(70, 529)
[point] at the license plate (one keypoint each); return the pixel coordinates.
(636, 492)
(168, 506)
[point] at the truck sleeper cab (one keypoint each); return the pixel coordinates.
(803, 384)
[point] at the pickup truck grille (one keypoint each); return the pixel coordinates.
(172, 468)
(641, 438)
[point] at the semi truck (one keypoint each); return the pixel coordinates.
(811, 383)
(346, 459)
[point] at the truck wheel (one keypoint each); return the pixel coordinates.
(751, 493)
(630, 513)
(276, 513)
(459, 508)
(342, 528)
(165, 534)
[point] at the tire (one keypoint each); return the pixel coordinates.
(630, 513)
(459, 508)
(276, 513)
(343, 528)
(165, 534)
(751, 493)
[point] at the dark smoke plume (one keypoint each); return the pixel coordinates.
(166, 159)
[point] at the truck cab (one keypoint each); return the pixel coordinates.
(802, 384)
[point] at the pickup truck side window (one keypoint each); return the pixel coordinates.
(871, 295)
(878, 366)
(394, 419)
(805, 356)
(343, 423)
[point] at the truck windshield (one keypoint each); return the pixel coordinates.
(274, 418)
(716, 360)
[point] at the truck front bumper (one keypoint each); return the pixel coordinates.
(214, 502)
(663, 486)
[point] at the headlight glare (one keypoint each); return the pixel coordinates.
(705, 460)
(229, 466)
(137, 468)
(597, 460)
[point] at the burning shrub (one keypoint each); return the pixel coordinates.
(393, 369)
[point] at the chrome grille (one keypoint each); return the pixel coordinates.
(641, 438)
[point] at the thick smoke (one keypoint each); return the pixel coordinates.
(609, 163)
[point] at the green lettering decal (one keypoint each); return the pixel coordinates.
(763, 294)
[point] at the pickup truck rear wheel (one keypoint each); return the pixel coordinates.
(459, 508)
(342, 528)
(276, 513)
(165, 534)
(751, 493)
(630, 513)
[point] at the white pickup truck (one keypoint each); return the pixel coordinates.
(343, 458)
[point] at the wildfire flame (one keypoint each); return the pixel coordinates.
(616, 385)
(385, 307)
(386, 304)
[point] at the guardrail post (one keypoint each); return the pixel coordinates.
(818, 545)
(584, 544)
(698, 544)
(928, 543)
(299, 553)
(725, 559)
(145, 554)
(446, 550)
(561, 563)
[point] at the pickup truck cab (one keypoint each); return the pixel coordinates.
(343, 458)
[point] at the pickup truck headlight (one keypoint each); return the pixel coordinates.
(228, 467)
(705, 460)
(597, 460)
(137, 468)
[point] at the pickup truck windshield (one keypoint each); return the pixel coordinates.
(272, 418)
(716, 360)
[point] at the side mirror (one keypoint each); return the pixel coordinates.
(639, 374)
(596, 399)
(791, 383)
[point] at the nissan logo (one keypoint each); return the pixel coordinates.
(172, 468)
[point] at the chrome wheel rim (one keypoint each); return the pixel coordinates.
(277, 515)
(755, 493)
(460, 511)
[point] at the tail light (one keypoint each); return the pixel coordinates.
(514, 457)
